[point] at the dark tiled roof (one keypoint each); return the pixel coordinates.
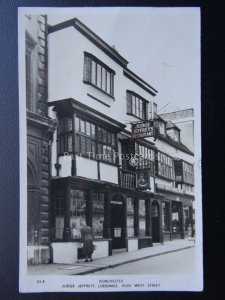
(170, 124)
(173, 143)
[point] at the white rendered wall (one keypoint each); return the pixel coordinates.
(66, 166)
(66, 253)
(132, 245)
(66, 63)
(86, 167)
(102, 249)
(172, 151)
(108, 173)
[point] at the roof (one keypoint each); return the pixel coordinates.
(89, 34)
(65, 106)
(109, 50)
(170, 125)
(158, 117)
(177, 145)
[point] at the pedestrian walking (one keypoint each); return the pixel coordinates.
(87, 240)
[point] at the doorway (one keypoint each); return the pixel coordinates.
(118, 222)
(155, 222)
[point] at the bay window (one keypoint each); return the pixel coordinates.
(165, 166)
(95, 141)
(65, 135)
(184, 172)
(85, 137)
(146, 158)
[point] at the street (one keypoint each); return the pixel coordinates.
(180, 262)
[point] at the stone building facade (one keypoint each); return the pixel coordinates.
(39, 135)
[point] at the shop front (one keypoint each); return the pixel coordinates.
(177, 214)
(120, 218)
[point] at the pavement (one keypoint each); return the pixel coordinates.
(118, 259)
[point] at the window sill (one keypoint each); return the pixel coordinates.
(165, 178)
(141, 119)
(99, 89)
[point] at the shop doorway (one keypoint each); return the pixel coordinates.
(118, 222)
(155, 222)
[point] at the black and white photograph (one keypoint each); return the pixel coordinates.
(110, 149)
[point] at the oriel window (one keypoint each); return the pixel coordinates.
(94, 141)
(65, 135)
(165, 165)
(146, 158)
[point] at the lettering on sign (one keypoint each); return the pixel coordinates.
(143, 129)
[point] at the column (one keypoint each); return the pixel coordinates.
(136, 217)
(107, 220)
(67, 230)
(181, 215)
(147, 209)
(191, 220)
(160, 222)
(74, 167)
(170, 221)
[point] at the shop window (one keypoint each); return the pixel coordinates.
(166, 216)
(65, 135)
(142, 218)
(98, 214)
(187, 220)
(59, 214)
(130, 217)
(175, 218)
(165, 166)
(137, 106)
(78, 203)
(98, 74)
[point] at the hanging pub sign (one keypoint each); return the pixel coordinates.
(143, 182)
(143, 129)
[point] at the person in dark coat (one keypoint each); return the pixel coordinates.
(87, 240)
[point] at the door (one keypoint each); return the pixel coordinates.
(155, 223)
(118, 223)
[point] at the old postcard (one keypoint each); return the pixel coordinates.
(110, 149)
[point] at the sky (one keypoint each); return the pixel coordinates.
(162, 46)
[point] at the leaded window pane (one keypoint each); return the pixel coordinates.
(98, 214)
